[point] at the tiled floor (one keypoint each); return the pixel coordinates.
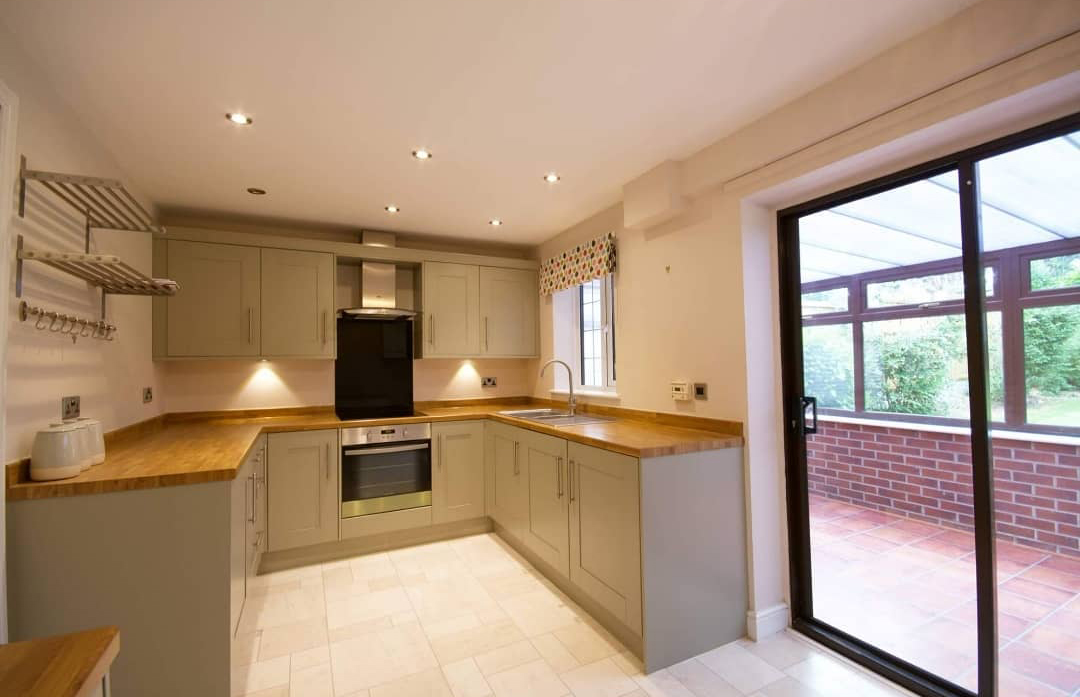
(469, 618)
(909, 587)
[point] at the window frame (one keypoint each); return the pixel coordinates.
(607, 329)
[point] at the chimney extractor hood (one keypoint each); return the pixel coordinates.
(378, 294)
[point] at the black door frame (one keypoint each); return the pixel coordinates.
(908, 675)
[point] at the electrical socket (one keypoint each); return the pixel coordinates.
(147, 395)
(69, 407)
(488, 382)
(701, 390)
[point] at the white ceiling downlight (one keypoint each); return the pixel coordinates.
(495, 222)
(392, 209)
(551, 177)
(422, 154)
(239, 119)
(256, 191)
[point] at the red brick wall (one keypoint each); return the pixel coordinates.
(927, 476)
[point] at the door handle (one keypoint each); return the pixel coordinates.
(327, 462)
(558, 478)
(810, 402)
(570, 477)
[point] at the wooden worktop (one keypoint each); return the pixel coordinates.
(71, 665)
(195, 448)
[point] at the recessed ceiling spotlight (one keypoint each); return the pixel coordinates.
(551, 177)
(255, 191)
(392, 209)
(239, 119)
(495, 222)
(422, 154)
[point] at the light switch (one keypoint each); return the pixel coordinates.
(680, 391)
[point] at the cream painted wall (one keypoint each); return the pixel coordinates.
(43, 367)
(251, 384)
(697, 295)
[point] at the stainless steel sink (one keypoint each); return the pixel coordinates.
(556, 417)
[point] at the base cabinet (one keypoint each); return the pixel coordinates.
(302, 492)
(546, 524)
(506, 496)
(457, 471)
(605, 530)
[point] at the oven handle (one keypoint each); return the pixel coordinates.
(391, 449)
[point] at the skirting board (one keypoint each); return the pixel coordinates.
(342, 549)
(765, 623)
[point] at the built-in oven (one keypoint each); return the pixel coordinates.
(385, 468)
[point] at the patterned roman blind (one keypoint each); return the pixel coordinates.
(592, 259)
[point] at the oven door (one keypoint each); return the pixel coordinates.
(385, 477)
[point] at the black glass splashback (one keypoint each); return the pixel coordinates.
(373, 375)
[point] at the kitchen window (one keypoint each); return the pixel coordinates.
(596, 334)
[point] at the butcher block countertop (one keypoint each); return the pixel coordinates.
(71, 665)
(193, 448)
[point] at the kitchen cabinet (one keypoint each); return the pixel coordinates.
(457, 477)
(605, 531)
(217, 311)
(297, 304)
(255, 539)
(509, 302)
(505, 484)
(247, 515)
(451, 294)
(546, 531)
(302, 488)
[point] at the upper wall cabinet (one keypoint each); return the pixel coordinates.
(509, 301)
(297, 304)
(239, 301)
(217, 312)
(472, 311)
(451, 310)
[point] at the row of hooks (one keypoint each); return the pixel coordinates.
(67, 324)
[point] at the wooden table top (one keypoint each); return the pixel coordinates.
(197, 448)
(70, 665)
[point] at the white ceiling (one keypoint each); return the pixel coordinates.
(501, 91)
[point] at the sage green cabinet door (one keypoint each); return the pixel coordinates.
(509, 302)
(216, 312)
(605, 532)
(457, 477)
(297, 304)
(239, 506)
(546, 531)
(302, 488)
(506, 495)
(451, 321)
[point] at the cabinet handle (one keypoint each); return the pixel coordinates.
(487, 346)
(558, 478)
(258, 539)
(438, 460)
(327, 462)
(517, 467)
(251, 328)
(324, 332)
(251, 516)
(431, 329)
(570, 474)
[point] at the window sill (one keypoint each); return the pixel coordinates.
(596, 394)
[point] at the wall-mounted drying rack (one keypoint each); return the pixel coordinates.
(67, 324)
(106, 204)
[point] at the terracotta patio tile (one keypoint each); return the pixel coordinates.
(1023, 555)
(1016, 685)
(935, 545)
(1038, 591)
(892, 533)
(1009, 626)
(872, 543)
(855, 523)
(1052, 577)
(1058, 644)
(1065, 620)
(1025, 608)
(1041, 666)
(1064, 564)
(925, 529)
(958, 538)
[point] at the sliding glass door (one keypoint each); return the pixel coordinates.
(917, 311)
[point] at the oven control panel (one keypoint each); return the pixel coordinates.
(368, 435)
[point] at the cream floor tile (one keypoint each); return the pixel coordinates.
(555, 653)
(254, 590)
(276, 609)
(490, 613)
(382, 657)
(470, 642)
(315, 681)
(279, 691)
(638, 693)
(662, 683)
(600, 679)
(586, 643)
(789, 687)
(739, 667)
(465, 679)
(507, 585)
(245, 648)
(340, 589)
(535, 679)
(628, 663)
(456, 592)
(292, 638)
(372, 566)
(260, 675)
(506, 657)
(538, 612)
(833, 677)
(781, 651)
(358, 629)
(370, 606)
(440, 628)
(311, 657)
(379, 584)
(338, 574)
(430, 683)
(701, 681)
(409, 617)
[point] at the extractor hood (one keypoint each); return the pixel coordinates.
(378, 286)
